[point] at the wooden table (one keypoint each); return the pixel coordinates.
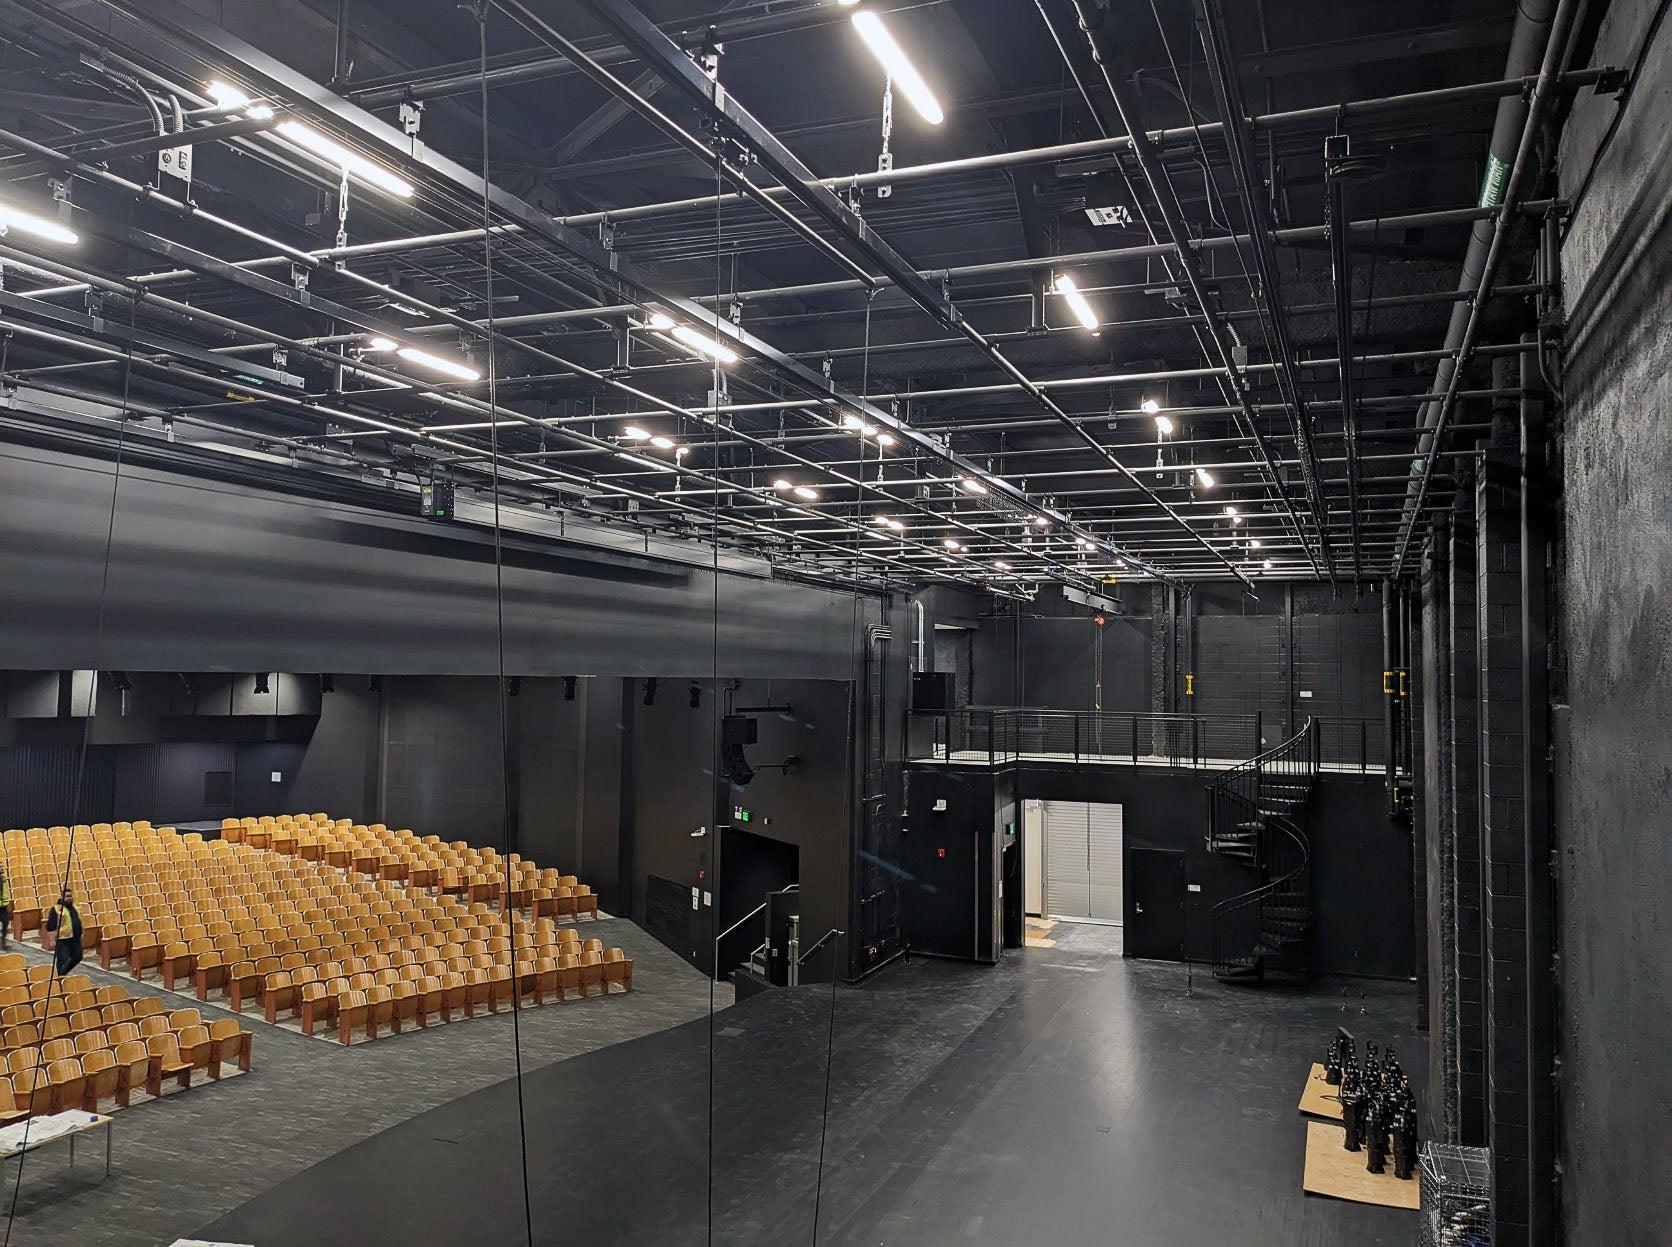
(93, 1121)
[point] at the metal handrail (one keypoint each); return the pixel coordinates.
(1282, 853)
(818, 944)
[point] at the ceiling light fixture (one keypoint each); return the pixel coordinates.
(1255, 544)
(1083, 311)
(885, 439)
(896, 526)
(662, 443)
(1267, 565)
(351, 162)
(780, 483)
(1002, 565)
(635, 434)
(381, 343)
(1231, 511)
(229, 99)
(1039, 521)
(1163, 425)
(1206, 477)
(700, 343)
(894, 59)
(803, 491)
(880, 520)
(951, 544)
(447, 367)
(28, 223)
(971, 485)
(1149, 407)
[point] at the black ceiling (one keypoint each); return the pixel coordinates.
(1068, 482)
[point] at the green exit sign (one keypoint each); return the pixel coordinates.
(741, 815)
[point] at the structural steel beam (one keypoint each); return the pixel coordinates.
(1222, 65)
(274, 79)
(640, 34)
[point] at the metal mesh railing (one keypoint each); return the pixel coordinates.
(1007, 734)
(1000, 734)
(1456, 1196)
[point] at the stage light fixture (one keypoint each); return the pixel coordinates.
(635, 434)
(971, 485)
(1163, 425)
(1206, 477)
(696, 696)
(1150, 407)
(650, 692)
(803, 491)
(568, 688)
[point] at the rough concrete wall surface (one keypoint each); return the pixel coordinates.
(1614, 776)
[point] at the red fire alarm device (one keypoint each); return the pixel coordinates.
(940, 852)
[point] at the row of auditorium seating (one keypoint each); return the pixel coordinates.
(226, 917)
(78, 1047)
(454, 869)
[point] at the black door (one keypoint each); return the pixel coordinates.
(1155, 887)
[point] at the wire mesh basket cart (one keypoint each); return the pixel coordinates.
(1456, 1196)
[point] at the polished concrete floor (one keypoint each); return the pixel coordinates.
(1064, 1097)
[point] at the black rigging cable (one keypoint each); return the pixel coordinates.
(483, 8)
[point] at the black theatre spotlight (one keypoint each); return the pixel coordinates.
(696, 696)
(650, 692)
(568, 688)
(261, 685)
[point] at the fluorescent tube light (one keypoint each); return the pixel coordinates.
(28, 223)
(1077, 302)
(338, 155)
(447, 367)
(894, 59)
(700, 343)
(229, 99)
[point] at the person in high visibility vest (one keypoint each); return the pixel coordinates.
(64, 921)
(5, 910)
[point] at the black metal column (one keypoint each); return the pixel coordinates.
(1464, 780)
(1539, 511)
(1438, 840)
(1503, 657)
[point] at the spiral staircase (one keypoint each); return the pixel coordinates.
(1257, 816)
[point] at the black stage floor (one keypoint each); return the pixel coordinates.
(1064, 1097)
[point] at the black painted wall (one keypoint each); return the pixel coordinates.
(1293, 651)
(673, 791)
(1613, 779)
(1363, 926)
(214, 576)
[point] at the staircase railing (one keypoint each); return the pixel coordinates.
(1257, 815)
